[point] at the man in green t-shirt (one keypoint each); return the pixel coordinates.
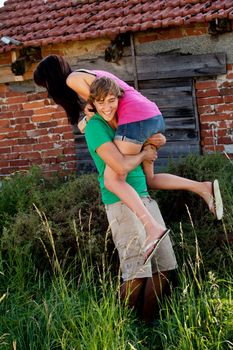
(127, 231)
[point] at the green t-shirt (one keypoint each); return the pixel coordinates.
(98, 132)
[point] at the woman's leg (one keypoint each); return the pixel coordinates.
(117, 184)
(165, 181)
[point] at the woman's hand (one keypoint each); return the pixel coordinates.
(150, 153)
(157, 140)
(88, 110)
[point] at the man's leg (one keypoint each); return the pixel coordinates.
(156, 287)
(129, 235)
(162, 263)
(131, 292)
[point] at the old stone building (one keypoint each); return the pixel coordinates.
(179, 53)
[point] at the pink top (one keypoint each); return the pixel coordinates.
(133, 106)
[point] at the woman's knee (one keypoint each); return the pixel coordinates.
(110, 182)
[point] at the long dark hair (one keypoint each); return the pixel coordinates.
(52, 73)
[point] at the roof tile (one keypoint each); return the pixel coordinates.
(37, 22)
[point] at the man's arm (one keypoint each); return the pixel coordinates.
(123, 164)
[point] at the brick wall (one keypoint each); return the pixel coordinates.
(33, 131)
(215, 109)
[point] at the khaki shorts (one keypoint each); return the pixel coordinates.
(129, 236)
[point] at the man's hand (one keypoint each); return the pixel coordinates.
(150, 153)
(157, 140)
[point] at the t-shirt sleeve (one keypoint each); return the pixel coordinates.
(96, 134)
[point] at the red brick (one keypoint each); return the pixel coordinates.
(9, 108)
(41, 118)
(63, 129)
(45, 110)
(47, 125)
(215, 117)
(207, 84)
(22, 148)
(19, 162)
(228, 99)
(34, 104)
(5, 150)
(68, 136)
(225, 140)
(38, 96)
(216, 148)
(60, 115)
(27, 141)
(16, 134)
(8, 143)
(43, 146)
(11, 93)
(23, 113)
(52, 153)
(9, 156)
(4, 130)
(209, 140)
(226, 91)
(224, 108)
(205, 109)
(207, 93)
(4, 163)
(30, 155)
(6, 115)
(25, 127)
(15, 100)
(4, 123)
(210, 101)
(8, 170)
(230, 75)
(22, 120)
(48, 138)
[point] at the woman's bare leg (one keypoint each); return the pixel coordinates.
(164, 181)
(117, 184)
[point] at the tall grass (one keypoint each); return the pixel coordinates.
(200, 313)
(62, 310)
(59, 286)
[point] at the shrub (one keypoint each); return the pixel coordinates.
(74, 212)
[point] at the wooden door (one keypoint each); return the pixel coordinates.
(169, 81)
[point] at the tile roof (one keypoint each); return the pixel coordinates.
(42, 22)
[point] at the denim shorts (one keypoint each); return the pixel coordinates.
(139, 132)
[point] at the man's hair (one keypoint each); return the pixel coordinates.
(101, 87)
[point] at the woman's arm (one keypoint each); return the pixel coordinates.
(122, 164)
(80, 82)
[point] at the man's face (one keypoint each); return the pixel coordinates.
(107, 107)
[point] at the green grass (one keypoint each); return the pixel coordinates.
(59, 281)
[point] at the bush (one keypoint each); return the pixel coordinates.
(72, 209)
(198, 222)
(77, 219)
